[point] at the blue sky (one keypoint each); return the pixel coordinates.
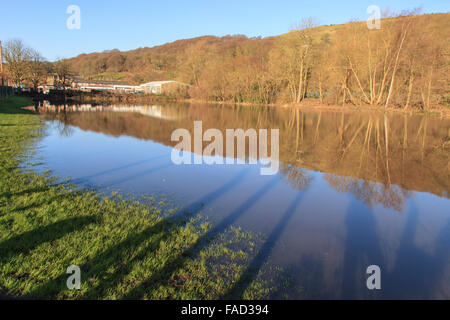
(126, 25)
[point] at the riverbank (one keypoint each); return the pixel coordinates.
(82, 97)
(315, 104)
(97, 98)
(124, 248)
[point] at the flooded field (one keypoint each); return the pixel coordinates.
(354, 189)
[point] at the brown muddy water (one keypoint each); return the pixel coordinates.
(354, 189)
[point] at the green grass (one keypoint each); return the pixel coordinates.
(13, 105)
(110, 76)
(125, 248)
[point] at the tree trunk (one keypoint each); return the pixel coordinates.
(410, 86)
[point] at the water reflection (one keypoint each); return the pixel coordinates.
(411, 152)
(354, 188)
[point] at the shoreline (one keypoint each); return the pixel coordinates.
(309, 104)
(75, 97)
(443, 111)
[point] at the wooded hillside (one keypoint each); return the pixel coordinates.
(405, 63)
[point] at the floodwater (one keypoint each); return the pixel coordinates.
(354, 189)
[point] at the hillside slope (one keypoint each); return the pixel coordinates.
(341, 62)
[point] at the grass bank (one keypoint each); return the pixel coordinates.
(124, 248)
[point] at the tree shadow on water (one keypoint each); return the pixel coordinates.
(114, 170)
(415, 274)
(361, 249)
(138, 175)
(172, 265)
(303, 279)
(251, 272)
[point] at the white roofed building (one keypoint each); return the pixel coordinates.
(160, 87)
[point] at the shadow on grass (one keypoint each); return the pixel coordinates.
(32, 191)
(14, 105)
(118, 254)
(27, 241)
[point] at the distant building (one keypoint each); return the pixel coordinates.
(155, 87)
(100, 85)
(163, 87)
(126, 88)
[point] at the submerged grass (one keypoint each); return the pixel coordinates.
(122, 246)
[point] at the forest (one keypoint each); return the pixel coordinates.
(404, 64)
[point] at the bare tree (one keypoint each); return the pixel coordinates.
(63, 71)
(17, 56)
(37, 70)
(292, 59)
